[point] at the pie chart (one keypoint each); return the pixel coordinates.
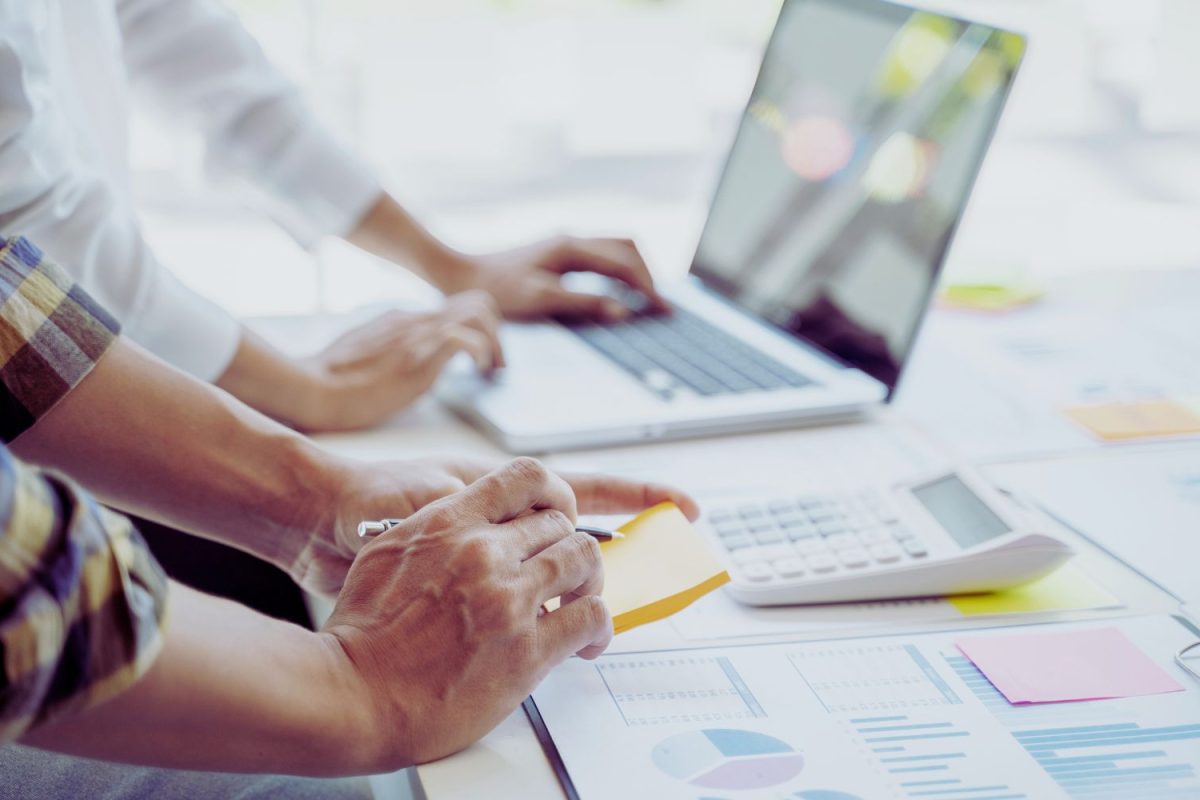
(725, 758)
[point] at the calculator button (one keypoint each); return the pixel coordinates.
(748, 554)
(790, 567)
(757, 572)
(853, 557)
(874, 536)
(773, 551)
(807, 547)
(914, 548)
(739, 542)
(781, 507)
(769, 536)
(750, 512)
(798, 532)
(719, 516)
(792, 519)
(729, 529)
(760, 525)
(841, 541)
(885, 553)
(886, 513)
(822, 563)
(810, 503)
(901, 533)
(830, 528)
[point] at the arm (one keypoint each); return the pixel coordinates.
(50, 194)
(194, 59)
(438, 636)
(187, 454)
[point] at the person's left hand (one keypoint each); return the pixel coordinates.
(526, 283)
(398, 489)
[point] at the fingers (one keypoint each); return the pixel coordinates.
(583, 627)
(602, 494)
(569, 566)
(561, 302)
(617, 259)
(457, 339)
(516, 487)
(477, 310)
(535, 533)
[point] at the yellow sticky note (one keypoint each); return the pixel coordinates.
(1136, 420)
(1065, 589)
(661, 567)
(988, 297)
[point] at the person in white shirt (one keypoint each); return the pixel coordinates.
(68, 71)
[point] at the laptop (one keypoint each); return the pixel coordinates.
(849, 173)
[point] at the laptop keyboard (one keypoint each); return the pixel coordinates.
(680, 353)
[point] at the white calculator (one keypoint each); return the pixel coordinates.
(951, 534)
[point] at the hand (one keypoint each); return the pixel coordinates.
(378, 369)
(399, 489)
(441, 621)
(527, 282)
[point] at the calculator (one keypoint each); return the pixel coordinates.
(949, 534)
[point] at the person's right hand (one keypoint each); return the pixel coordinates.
(441, 619)
(377, 369)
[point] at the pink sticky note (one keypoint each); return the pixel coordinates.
(1055, 667)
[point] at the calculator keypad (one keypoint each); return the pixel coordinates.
(791, 539)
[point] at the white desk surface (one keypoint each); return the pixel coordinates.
(509, 762)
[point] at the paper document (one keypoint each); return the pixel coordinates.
(905, 717)
(1141, 506)
(995, 386)
(661, 566)
(1062, 665)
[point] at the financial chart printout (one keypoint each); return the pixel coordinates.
(905, 717)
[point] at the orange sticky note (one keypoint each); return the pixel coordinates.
(1136, 420)
(661, 567)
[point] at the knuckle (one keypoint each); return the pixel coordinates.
(557, 520)
(529, 470)
(587, 548)
(477, 553)
(595, 611)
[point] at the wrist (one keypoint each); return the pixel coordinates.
(363, 732)
(451, 271)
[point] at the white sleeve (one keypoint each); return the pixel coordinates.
(48, 194)
(194, 60)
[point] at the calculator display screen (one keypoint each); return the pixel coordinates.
(960, 511)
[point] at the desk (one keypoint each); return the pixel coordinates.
(508, 762)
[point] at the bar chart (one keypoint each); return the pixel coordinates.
(684, 689)
(932, 759)
(1118, 758)
(865, 678)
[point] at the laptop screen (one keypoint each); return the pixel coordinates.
(850, 171)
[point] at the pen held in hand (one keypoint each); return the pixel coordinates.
(370, 528)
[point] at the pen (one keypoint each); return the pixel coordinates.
(370, 528)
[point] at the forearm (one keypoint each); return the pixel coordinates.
(280, 387)
(391, 233)
(233, 691)
(151, 440)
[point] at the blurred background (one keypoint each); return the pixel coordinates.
(498, 121)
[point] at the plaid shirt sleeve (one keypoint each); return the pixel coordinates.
(51, 334)
(81, 598)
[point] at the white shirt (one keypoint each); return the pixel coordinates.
(67, 70)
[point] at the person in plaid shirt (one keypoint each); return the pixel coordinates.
(438, 632)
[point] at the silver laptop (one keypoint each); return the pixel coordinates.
(850, 171)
